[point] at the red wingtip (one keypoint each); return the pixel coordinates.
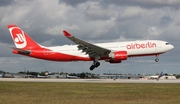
(66, 33)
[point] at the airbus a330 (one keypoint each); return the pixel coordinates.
(112, 52)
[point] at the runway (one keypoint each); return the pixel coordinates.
(88, 80)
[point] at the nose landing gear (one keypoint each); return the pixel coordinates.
(157, 59)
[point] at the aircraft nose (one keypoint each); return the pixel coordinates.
(172, 46)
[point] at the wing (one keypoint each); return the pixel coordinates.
(89, 48)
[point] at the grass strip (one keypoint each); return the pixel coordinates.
(88, 93)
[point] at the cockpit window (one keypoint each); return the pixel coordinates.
(167, 43)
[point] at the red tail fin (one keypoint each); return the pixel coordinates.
(21, 39)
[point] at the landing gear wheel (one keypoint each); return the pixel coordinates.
(97, 64)
(157, 60)
(92, 67)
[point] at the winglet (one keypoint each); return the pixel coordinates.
(66, 33)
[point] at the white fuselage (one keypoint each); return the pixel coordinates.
(133, 48)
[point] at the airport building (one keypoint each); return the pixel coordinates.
(83, 75)
(120, 76)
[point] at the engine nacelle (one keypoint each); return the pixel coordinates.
(118, 56)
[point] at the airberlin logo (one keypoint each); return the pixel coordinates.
(141, 45)
(19, 39)
(18, 36)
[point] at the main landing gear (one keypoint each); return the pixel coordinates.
(157, 59)
(95, 63)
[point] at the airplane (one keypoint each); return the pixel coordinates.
(39, 76)
(112, 52)
(71, 77)
(156, 76)
(162, 75)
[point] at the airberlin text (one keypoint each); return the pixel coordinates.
(141, 45)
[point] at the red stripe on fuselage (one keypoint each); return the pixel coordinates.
(139, 55)
(56, 56)
(47, 54)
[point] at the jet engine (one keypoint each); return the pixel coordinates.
(117, 57)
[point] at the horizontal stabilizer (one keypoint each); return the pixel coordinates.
(25, 52)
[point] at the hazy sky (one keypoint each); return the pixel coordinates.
(93, 21)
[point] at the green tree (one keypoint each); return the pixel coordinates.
(2, 71)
